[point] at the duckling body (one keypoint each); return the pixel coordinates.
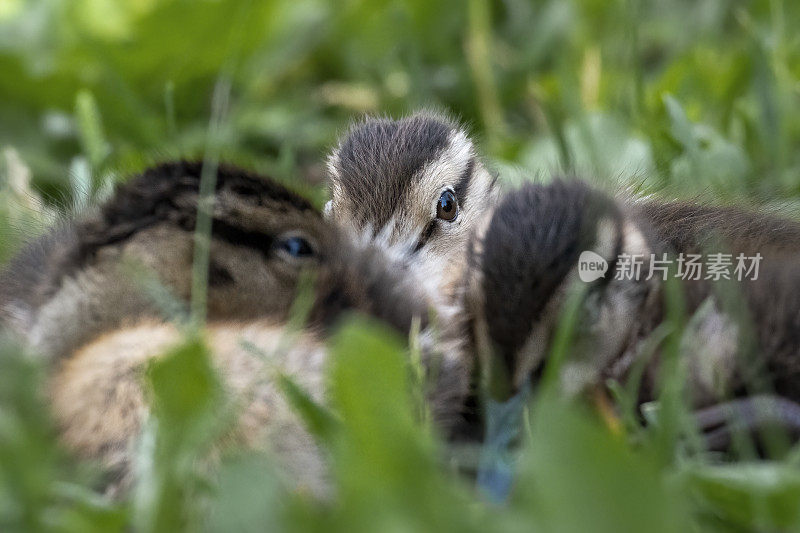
(99, 400)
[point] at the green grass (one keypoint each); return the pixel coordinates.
(678, 98)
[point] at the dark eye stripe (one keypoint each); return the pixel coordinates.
(461, 186)
(259, 241)
(426, 235)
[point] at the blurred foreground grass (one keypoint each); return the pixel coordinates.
(388, 469)
(676, 97)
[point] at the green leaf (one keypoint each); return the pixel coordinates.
(185, 386)
(763, 496)
(681, 128)
(577, 476)
(383, 458)
(320, 421)
(90, 128)
(186, 403)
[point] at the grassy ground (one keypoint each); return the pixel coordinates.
(688, 98)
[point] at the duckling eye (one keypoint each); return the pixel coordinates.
(295, 247)
(447, 207)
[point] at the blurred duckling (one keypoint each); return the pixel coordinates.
(416, 186)
(73, 298)
(525, 263)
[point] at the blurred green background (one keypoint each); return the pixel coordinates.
(680, 98)
(695, 96)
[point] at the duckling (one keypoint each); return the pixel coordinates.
(525, 262)
(414, 185)
(72, 298)
(72, 284)
(520, 261)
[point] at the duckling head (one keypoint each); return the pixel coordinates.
(414, 185)
(524, 263)
(114, 266)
